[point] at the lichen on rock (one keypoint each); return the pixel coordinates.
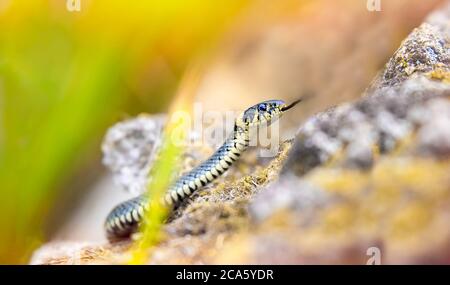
(425, 50)
(369, 173)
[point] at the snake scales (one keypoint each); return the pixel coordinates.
(124, 219)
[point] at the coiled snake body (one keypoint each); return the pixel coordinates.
(125, 218)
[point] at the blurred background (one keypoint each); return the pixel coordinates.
(67, 75)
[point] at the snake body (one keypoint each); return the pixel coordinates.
(124, 219)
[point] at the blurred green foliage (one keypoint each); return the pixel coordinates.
(65, 76)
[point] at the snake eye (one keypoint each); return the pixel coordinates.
(262, 107)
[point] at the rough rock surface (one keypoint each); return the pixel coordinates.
(370, 173)
(129, 150)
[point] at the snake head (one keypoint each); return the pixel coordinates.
(264, 112)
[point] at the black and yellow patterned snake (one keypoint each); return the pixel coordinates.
(124, 219)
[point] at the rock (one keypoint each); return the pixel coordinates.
(78, 253)
(425, 51)
(282, 196)
(129, 149)
(434, 134)
(372, 173)
(373, 125)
